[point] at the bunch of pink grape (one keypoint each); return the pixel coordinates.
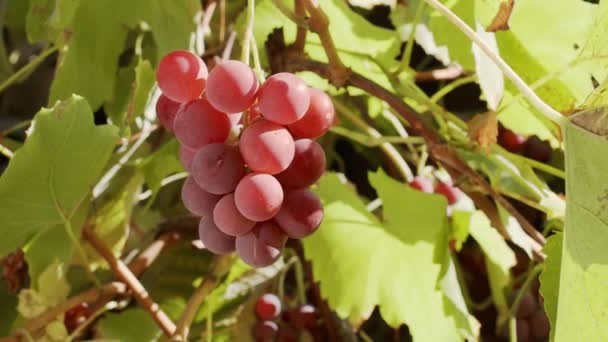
(250, 186)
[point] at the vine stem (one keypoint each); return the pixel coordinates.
(27, 68)
(302, 31)
(123, 273)
(221, 265)
(246, 52)
(391, 152)
(536, 101)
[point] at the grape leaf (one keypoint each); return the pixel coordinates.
(120, 326)
(584, 267)
(51, 175)
(52, 283)
(16, 12)
(160, 164)
(490, 77)
(391, 265)
(549, 278)
(8, 309)
(93, 50)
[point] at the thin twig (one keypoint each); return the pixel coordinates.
(391, 152)
(319, 24)
(450, 72)
(452, 86)
(221, 265)
(28, 68)
(302, 31)
(122, 272)
(246, 52)
(536, 101)
(228, 48)
(222, 30)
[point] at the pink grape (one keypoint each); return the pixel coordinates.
(186, 155)
(217, 168)
(166, 110)
(450, 192)
(232, 87)
(182, 76)
(422, 184)
(196, 200)
(213, 239)
(307, 166)
(262, 246)
(265, 331)
(258, 196)
(199, 124)
(284, 98)
(301, 213)
(228, 218)
(267, 147)
(318, 119)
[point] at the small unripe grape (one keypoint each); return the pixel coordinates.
(422, 184)
(268, 307)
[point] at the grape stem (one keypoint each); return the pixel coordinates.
(246, 52)
(123, 273)
(389, 150)
(519, 83)
(302, 30)
(409, 47)
(221, 265)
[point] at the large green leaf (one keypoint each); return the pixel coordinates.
(89, 60)
(549, 278)
(51, 175)
(582, 308)
(396, 264)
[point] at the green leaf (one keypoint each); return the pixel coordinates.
(8, 309)
(53, 285)
(160, 164)
(549, 278)
(584, 268)
(16, 12)
(50, 176)
(89, 63)
(395, 265)
(133, 325)
(113, 214)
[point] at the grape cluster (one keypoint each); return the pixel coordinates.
(268, 309)
(250, 151)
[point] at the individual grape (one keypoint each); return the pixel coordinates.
(166, 110)
(527, 306)
(186, 156)
(523, 330)
(284, 98)
(262, 246)
(228, 218)
(301, 213)
(258, 196)
(213, 239)
(318, 118)
(450, 192)
(198, 201)
(217, 168)
(199, 124)
(75, 316)
(265, 331)
(422, 184)
(267, 147)
(539, 324)
(303, 317)
(510, 140)
(307, 166)
(538, 150)
(268, 307)
(181, 76)
(232, 87)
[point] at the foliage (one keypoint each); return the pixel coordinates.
(386, 256)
